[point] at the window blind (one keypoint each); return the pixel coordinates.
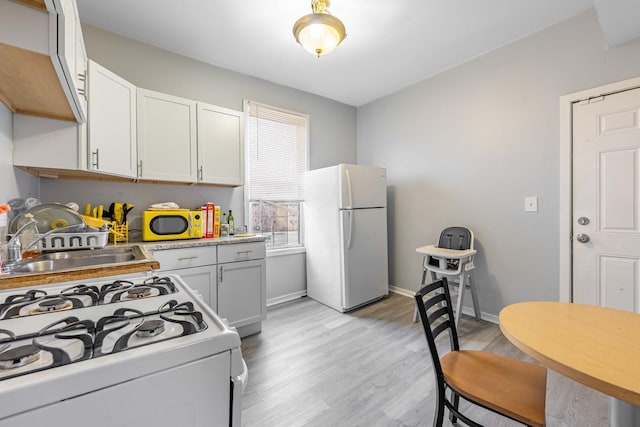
(277, 153)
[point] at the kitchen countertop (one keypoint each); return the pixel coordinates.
(115, 269)
(190, 243)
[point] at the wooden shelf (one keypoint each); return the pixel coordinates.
(37, 4)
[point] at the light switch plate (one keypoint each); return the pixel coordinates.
(531, 204)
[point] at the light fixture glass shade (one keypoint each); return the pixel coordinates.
(319, 33)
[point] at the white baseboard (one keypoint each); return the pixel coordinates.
(466, 310)
(401, 291)
(286, 298)
(492, 318)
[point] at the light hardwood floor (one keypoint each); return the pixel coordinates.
(313, 366)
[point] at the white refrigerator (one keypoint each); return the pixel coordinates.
(345, 217)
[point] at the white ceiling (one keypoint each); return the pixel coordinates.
(390, 44)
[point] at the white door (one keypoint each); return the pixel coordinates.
(364, 246)
(606, 201)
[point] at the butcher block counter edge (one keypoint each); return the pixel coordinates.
(83, 273)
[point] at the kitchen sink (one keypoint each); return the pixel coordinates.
(58, 261)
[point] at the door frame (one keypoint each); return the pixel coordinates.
(566, 176)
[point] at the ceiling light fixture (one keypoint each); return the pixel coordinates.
(319, 32)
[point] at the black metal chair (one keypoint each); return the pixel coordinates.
(510, 387)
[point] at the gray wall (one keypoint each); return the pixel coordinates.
(466, 146)
(332, 124)
(13, 182)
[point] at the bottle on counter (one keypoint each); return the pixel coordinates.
(231, 222)
(224, 226)
(3, 233)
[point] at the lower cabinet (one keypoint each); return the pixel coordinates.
(242, 285)
(241, 292)
(234, 286)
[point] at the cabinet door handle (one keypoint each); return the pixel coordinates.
(200, 174)
(140, 169)
(96, 153)
(220, 274)
(184, 258)
(83, 91)
(243, 252)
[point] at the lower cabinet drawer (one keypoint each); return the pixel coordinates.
(171, 259)
(241, 252)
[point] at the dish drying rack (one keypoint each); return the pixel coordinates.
(92, 239)
(84, 240)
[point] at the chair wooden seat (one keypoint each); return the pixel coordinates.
(509, 386)
(513, 388)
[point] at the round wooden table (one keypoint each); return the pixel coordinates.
(596, 346)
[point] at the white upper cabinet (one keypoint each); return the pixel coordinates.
(72, 57)
(43, 59)
(167, 145)
(106, 144)
(220, 145)
(112, 123)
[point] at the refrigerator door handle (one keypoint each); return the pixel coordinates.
(350, 229)
(349, 188)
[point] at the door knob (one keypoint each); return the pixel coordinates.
(582, 238)
(583, 220)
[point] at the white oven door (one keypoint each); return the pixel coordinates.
(196, 394)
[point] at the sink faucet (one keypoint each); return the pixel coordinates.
(15, 248)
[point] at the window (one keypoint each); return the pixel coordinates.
(276, 161)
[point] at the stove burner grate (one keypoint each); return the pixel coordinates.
(150, 328)
(139, 292)
(123, 290)
(7, 308)
(19, 356)
(37, 301)
(31, 295)
(54, 304)
(70, 340)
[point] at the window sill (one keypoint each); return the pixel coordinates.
(285, 251)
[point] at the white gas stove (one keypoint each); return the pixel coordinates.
(139, 352)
